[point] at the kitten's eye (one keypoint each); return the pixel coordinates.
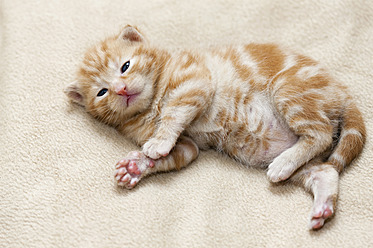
(125, 66)
(102, 92)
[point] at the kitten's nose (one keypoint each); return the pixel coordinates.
(121, 90)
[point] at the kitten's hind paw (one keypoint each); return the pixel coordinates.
(131, 169)
(322, 210)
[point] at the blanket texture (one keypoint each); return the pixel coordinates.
(57, 162)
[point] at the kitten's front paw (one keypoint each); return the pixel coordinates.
(132, 168)
(156, 148)
(280, 170)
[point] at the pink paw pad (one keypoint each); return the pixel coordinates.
(327, 213)
(130, 170)
(317, 223)
(127, 173)
(320, 214)
(133, 169)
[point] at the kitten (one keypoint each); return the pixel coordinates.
(260, 104)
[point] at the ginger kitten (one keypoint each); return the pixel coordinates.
(260, 104)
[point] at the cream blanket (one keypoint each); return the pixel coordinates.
(57, 187)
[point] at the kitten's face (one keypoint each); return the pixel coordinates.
(116, 77)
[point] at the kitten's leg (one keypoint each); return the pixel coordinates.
(130, 170)
(186, 103)
(322, 181)
(304, 115)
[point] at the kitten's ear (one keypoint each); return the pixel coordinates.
(74, 92)
(131, 34)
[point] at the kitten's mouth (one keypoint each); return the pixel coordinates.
(131, 98)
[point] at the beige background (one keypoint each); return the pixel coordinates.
(57, 162)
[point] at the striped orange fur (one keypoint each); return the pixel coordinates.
(259, 103)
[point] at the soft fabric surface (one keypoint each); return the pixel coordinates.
(57, 187)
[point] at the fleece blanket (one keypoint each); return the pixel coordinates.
(57, 162)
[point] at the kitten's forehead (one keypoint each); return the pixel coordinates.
(104, 52)
(102, 59)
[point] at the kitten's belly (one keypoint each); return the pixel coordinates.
(260, 148)
(252, 148)
(255, 138)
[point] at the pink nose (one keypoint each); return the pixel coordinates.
(121, 91)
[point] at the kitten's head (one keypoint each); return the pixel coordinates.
(116, 77)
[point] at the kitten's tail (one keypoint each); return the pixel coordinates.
(351, 140)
